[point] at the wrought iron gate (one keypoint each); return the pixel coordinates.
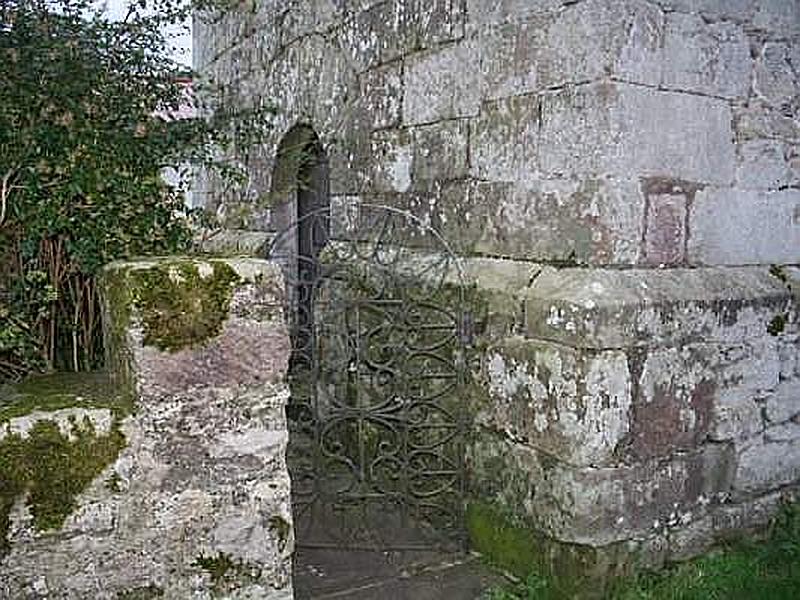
(377, 416)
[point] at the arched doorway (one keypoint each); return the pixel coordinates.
(300, 189)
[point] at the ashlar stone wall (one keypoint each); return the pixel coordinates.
(171, 482)
(620, 132)
(640, 417)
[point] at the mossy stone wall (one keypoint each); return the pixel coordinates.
(128, 494)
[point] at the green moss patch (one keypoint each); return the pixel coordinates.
(62, 390)
(179, 307)
(504, 543)
(554, 569)
(226, 572)
(52, 469)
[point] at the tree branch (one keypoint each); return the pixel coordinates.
(5, 191)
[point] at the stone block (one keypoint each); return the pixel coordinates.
(606, 308)
(381, 91)
(508, 54)
(480, 12)
(442, 84)
(233, 242)
(685, 396)
(665, 229)
(784, 403)
(600, 506)
(585, 42)
(673, 403)
(745, 374)
(767, 164)
(776, 80)
(706, 58)
(591, 39)
(770, 461)
(730, 227)
(377, 33)
(440, 151)
(596, 220)
(494, 156)
(557, 400)
(532, 46)
(390, 163)
(780, 18)
(624, 129)
(432, 22)
(305, 17)
(450, 207)
(183, 338)
(371, 36)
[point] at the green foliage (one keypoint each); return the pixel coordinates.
(87, 126)
(52, 469)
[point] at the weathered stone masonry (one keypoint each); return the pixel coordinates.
(194, 501)
(619, 176)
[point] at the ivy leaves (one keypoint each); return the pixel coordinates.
(92, 111)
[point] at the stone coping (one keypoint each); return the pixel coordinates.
(600, 308)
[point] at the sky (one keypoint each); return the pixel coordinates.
(183, 43)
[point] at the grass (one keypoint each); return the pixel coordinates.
(744, 570)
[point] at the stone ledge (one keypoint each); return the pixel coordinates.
(602, 308)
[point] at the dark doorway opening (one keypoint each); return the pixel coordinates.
(301, 191)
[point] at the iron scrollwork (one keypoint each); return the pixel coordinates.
(377, 418)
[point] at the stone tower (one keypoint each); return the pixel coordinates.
(622, 181)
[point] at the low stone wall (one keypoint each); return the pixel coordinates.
(636, 416)
(186, 493)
